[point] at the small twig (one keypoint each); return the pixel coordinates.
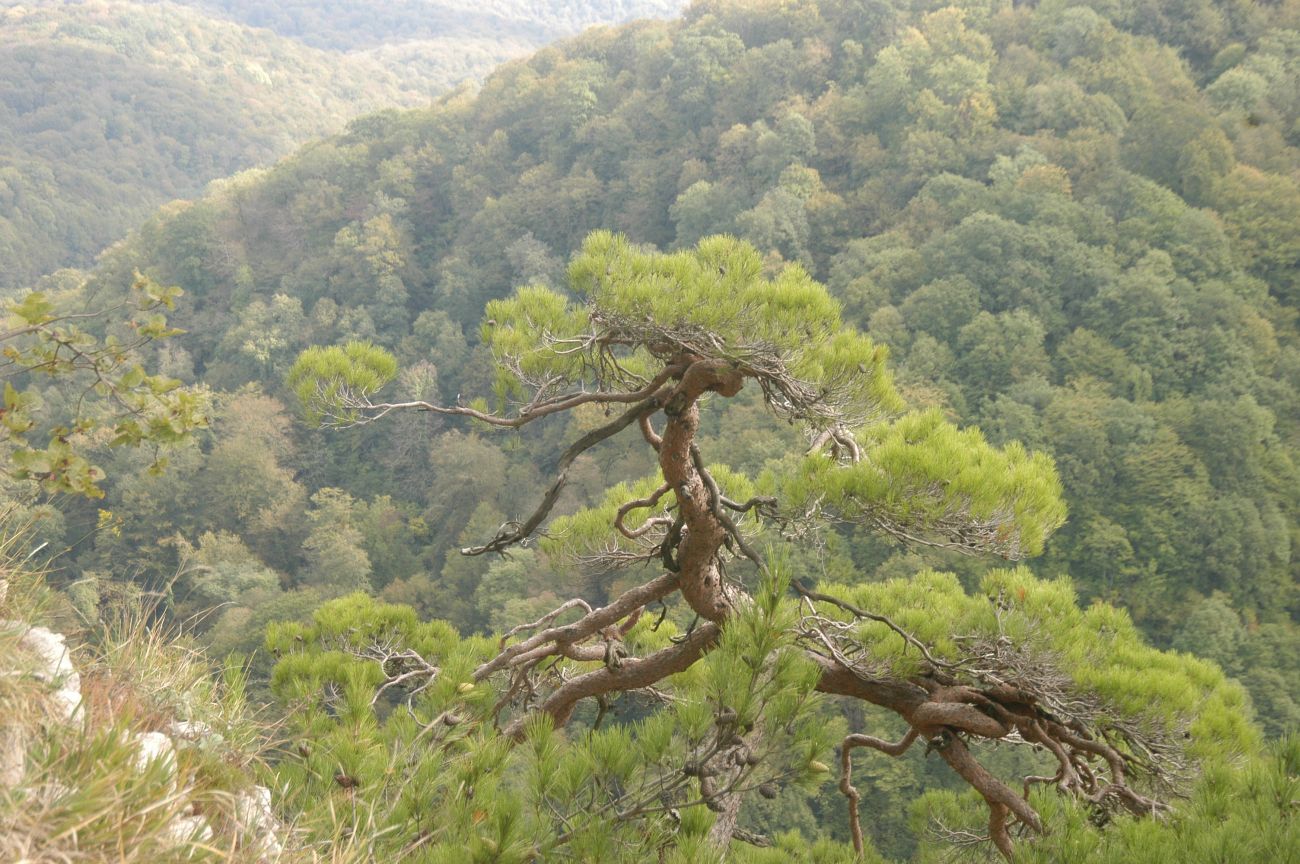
(809, 594)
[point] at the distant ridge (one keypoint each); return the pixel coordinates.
(109, 108)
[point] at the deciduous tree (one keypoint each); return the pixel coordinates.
(93, 358)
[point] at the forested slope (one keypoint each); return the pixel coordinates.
(109, 108)
(1073, 226)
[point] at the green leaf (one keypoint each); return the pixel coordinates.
(34, 308)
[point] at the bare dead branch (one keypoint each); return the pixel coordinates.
(516, 532)
(762, 841)
(648, 433)
(637, 504)
(631, 675)
(761, 502)
(535, 410)
(574, 603)
(624, 605)
(809, 594)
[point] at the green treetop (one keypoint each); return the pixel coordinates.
(740, 696)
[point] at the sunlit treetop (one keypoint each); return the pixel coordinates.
(637, 313)
(923, 480)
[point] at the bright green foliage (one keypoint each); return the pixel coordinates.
(439, 766)
(795, 847)
(920, 475)
(711, 301)
(567, 794)
(519, 329)
(1098, 650)
(717, 286)
(330, 381)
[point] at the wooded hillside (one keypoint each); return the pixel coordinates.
(110, 108)
(1075, 226)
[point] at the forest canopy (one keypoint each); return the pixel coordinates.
(1044, 272)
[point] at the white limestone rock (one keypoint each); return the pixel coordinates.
(67, 702)
(257, 820)
(189, 730)
(41, 654)
(188, 829)
(194, 732)
(13, 756)
(53, 664)
(153, 747)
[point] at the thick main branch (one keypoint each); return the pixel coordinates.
(704, 533)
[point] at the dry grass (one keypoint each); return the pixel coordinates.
(84, 797)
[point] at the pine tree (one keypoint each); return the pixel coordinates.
(728, 661)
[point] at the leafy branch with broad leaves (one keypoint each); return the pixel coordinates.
(94, 357)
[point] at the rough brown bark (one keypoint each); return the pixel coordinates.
(633, 674)
(697, 554)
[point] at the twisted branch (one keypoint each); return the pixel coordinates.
(850, 791)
